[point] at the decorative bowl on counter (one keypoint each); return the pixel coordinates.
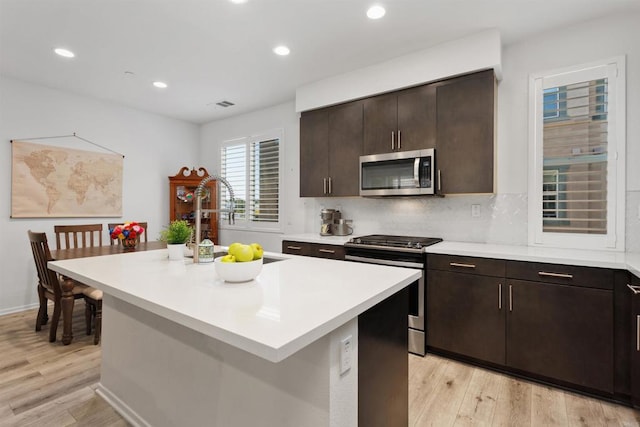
(238, 271)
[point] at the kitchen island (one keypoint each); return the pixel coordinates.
(182, 347)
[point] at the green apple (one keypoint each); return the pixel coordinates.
(233, 248)
(257, 250)
(228, 258)
(244, 253)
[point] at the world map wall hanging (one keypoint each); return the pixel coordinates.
(49, 181)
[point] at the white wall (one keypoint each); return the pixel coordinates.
(155, 147)
(503, 216)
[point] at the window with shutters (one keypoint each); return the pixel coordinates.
(252, 167)
(577, 181)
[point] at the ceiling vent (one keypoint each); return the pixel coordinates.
(225, 104)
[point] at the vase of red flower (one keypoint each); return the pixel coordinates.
(128, 234)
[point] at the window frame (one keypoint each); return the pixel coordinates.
(246, 223)
(614, 70)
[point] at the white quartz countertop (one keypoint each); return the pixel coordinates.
(317, 238)
(589, 258)
(289, 305)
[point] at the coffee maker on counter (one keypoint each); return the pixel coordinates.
(332, 224)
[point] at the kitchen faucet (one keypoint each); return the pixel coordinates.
(199, 193)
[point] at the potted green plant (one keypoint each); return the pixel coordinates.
(176, 234)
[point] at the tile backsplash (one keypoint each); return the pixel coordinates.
(502, 219)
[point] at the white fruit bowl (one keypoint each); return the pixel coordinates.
(238, 271)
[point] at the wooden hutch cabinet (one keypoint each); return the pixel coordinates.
(182, 201)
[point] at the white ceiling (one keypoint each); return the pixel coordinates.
(213, 50)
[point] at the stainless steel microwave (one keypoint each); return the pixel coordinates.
(402, 173)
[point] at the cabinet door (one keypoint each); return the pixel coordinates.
(417, 118)
(561, 332)
(465, 134)
(466, 315)
(345, 148)
(314, 149)
(635, 340)
(380, 123)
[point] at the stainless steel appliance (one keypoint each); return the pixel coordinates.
(399, 251)
(332, 224)
(404, 173)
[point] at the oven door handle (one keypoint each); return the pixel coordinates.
(384, 261)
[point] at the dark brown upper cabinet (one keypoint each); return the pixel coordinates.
(400, 121)
(330, 150)
(465, 134)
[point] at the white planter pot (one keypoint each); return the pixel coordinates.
(176, 251)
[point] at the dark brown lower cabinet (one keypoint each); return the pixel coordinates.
(466, 315)
(561, 332)
(634, 290)
(317, 250)
(550, 322)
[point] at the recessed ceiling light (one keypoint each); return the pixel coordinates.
(161, 85)
(64, 52)
(376, 12)
(238, 1)
(281, 50)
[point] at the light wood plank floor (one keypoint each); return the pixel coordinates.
(49, 384)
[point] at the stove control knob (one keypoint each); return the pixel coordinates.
(356, 240)
(418, 245)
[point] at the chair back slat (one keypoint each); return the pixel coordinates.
(72, 235)
(42, 255)
(112, 225)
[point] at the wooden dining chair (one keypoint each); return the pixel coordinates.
(111, 226)
(78, 236)
(49, 284)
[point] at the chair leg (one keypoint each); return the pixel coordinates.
(88, 312)
(42, 317)
(53, 328)
(98, 313)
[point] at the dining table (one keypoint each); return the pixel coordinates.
(67, 284)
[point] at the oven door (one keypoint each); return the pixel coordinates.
(416, 293)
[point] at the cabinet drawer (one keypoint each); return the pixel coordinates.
(327, 251)
(465, 264)
(296, 248)
(589, 277)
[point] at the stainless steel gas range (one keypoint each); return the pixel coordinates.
(399, 251)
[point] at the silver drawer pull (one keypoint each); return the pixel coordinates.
(327, 251)
(562, 275)
(457, 264)
(634, 288)
(295, 248)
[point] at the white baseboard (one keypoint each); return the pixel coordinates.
(121, 408)
(18, 309)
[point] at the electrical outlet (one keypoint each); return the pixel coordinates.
(346, 351)
(475, 211)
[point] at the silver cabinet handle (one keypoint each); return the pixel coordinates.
(638, 333)
(327, 251)
(294, 248)
(634, 288)
(510, 297)
(457, 264)
(439, 180)
(330, 190)
(562, 275)
(399, 140)
(324, 185)
(392, 140)
(499, 296)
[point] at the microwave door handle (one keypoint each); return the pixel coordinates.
(416, 171)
